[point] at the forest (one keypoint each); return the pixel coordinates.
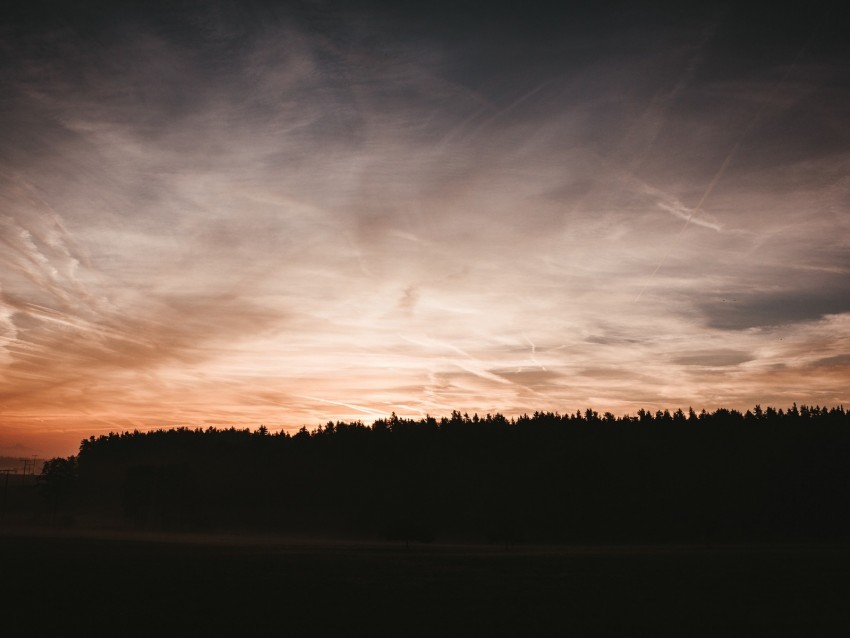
(765, 475)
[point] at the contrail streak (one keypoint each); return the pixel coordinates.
(350, 406)
(720, 172)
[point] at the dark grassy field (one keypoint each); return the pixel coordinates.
(133, 585)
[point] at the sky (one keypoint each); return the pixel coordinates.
(222, 213)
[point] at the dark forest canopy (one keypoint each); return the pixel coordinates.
(765, 474)
(757, 414)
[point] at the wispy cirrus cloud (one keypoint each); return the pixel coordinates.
(246, 215)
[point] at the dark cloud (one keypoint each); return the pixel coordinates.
(609, 340)
(533, 378)
(840, 360)
(742, 310)
(714, 358)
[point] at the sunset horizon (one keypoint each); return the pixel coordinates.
(247, 214)
(66, 441)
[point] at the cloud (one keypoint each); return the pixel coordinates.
(818, 295)
(298, 213)
(714, 358)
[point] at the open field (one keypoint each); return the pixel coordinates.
(165, 585)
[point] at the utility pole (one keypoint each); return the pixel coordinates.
(5, 493)
(29, 465)
(34, 464)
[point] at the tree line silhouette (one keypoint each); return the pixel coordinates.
(723, 476)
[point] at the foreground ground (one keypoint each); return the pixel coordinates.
(134, 585)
